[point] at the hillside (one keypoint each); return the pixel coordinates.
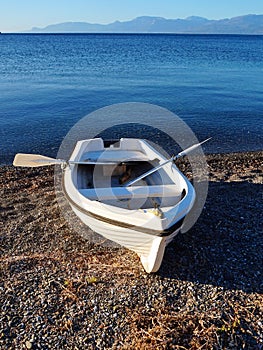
(249, 24)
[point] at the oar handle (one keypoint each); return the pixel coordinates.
(181, 154)
(151, 171)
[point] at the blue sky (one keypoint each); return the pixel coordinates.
(16, 15)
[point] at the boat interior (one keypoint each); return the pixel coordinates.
(112, 165)
(106, 183)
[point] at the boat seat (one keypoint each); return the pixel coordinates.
(101, 193)
(114, 155)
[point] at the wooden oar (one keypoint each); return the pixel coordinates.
(36, 160)
(179, 155)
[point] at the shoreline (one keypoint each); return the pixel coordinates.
(207, 155)
(58, 291)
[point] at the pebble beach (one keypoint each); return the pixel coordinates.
(60, 291)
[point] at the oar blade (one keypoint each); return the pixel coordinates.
(190, 149)
(33, 160)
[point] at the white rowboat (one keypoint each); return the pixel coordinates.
(143, 217)
(127, 192)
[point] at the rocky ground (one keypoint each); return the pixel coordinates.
(58, 291)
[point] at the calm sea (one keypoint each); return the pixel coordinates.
(48, 82)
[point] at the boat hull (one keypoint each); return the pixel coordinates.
(150, 248)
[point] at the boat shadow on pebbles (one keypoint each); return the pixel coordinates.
(225, 246)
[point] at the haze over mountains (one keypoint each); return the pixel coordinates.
(248, 24)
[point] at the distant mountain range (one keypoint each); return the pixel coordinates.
(249, 24)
